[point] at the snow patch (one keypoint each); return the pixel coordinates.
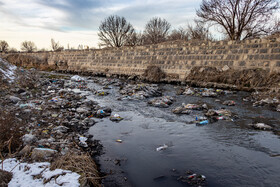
(24, 175)
(7, 69)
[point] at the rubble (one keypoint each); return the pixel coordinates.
(140, 91)
(162, 102)
(58, 115)
(42, 154)
(187, 108)
(221, 114)
(204, 92)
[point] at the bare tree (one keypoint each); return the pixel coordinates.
(239, 19)
(56, 46)
(4, 46)
(115, 31)
(156, 30)
(136, 39)
(275, 27)
(28, 46)
(178, 34)
(198, 31)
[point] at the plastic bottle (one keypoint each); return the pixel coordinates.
(205, 122)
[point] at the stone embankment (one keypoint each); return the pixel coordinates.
(231, 60)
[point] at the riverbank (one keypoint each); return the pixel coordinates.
(43, 119)
(62, 118)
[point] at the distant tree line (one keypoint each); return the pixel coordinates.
(235, 19)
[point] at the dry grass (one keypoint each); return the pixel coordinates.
(11, 133)
(5, 178)
(81, 164)
(26, 61)
(251, 78)
(153, 74)
(27, 79)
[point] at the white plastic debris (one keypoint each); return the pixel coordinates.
(162, 147)
(77, 78)
(83, 141)
(261, 126)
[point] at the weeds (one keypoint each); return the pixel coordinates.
(153, 74)
(251, 78)
(11, 133)
(81, 164)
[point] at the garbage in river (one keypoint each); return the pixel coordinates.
(101, 93)
(116, 117)
(221, 114)
(187, 108)
(119, 141)
(162, 147)
(204, 92)
(162, 102)
(261, 126)
(229, 103)
(101, 113)
(181, 110)
(193, 179)
(140, 91)
(205, 122)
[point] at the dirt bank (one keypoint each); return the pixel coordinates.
(247, 79)
(28, 61)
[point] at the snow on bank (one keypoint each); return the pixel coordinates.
(7, 69)
(38, 174)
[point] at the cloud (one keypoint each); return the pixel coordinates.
(65, 18)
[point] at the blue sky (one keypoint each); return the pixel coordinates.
(76, 22)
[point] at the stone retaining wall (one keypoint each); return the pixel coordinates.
(175, 58)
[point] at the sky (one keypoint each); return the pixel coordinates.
(76, 22)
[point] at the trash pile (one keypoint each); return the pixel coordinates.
(188, 108)
(204, 92)
(268, 98)
(107, 82)
(193, 179)
(162, 102)
(76, 82)
(139, 91)
(57, 118)
(221, 114)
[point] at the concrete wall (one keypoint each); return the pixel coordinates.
(174, 58)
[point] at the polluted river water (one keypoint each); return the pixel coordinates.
(227, 153)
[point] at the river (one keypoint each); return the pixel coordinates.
(228, 153)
